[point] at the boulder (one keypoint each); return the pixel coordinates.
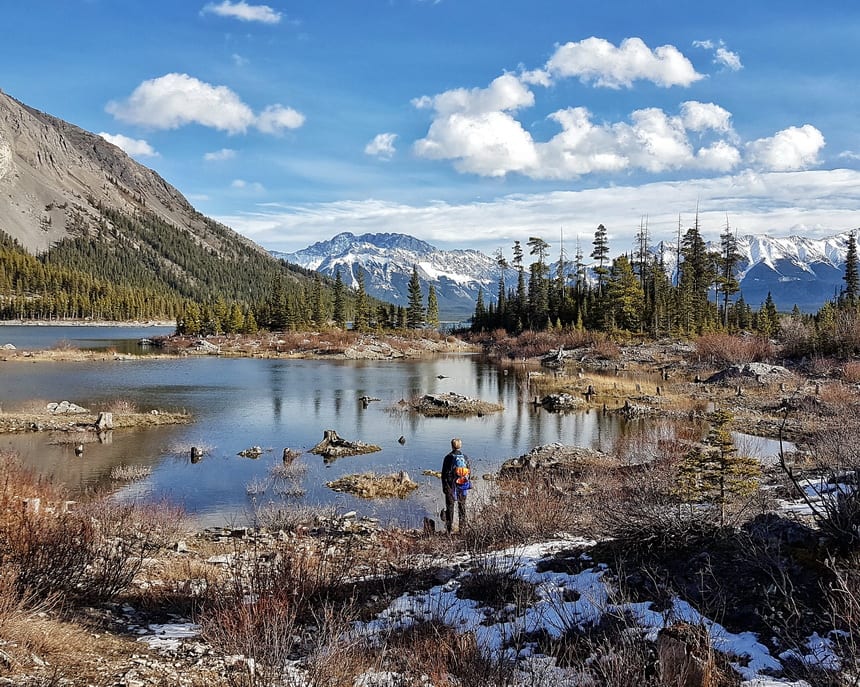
(562, 402)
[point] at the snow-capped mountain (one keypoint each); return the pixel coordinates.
(795, 269)
(386, 261)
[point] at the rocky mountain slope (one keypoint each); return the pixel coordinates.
(387, 260)
(54, 176)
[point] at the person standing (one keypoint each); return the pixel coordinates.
(455, 484)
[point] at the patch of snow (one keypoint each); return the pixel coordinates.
(168, 636)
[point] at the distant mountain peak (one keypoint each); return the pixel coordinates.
(387, 260)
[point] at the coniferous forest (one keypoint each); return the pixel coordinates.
(638, 293)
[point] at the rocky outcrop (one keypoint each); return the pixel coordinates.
(371, 486)
(562, 402)
(332, 447)
(451, 403)
(758, 372)
(556, 458)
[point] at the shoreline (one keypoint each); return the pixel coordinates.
(87, 323)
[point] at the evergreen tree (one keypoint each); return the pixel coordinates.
(432, 307)
(727, 264)
(415, 309)
(361, 321)
(852, 280)
(479, 318)
(339, 314)
(697, 275)
(768, 321)
(521, 297)
(500, 298)
(538, 297)
(601, 255)
(624, 295)
(714, 472)
(317, 314)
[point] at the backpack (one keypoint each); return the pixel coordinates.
(461, 471)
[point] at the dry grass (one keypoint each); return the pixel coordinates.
(725, 349)
(120, 406)
(130, 473)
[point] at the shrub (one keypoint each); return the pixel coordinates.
(725, 349)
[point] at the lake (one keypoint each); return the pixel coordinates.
(238, 403)
(122, 339)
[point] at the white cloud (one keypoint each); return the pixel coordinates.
(505, 93)
(135, 147)
(596, 60)
(275, 118)
(722, 55)
(848, 155)
(220, 155)
(244, 12)
(175, 100)
(474, 128)
(793, 148)
(382, 145)
(489, 144)
(729, 59)
(703, 116)
(251, 186)
(477, 130)
(239, 60)
(811, 203)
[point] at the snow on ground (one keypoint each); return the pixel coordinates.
(565, 601)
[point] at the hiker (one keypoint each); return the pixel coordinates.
(455, 485)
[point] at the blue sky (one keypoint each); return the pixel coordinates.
(465, 123)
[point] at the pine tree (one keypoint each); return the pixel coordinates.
(852, 280)
(726, 264)
(601, 255)
(339, 314)
(432, 307)
(538, 298)
(361, 321)
(415, 308)
(715, 472)
(624, 293)
(479, 318)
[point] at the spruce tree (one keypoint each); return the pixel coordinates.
(852, 280)
(601, 255)
(432, 307)
(715, 472)
(339, 314)
(362, 306)
(415, 308)
(727, 263)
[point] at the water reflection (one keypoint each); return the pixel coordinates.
(238, 403)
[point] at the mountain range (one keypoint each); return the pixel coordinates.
(386, 260)
(796, 270)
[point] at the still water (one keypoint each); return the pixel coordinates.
(122, 339)
(277, 404)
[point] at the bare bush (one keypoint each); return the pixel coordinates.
(121, 406)
(525, 508)
(271, 601)
(833, 497)
(725, 349)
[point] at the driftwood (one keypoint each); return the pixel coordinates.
(332, 446)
